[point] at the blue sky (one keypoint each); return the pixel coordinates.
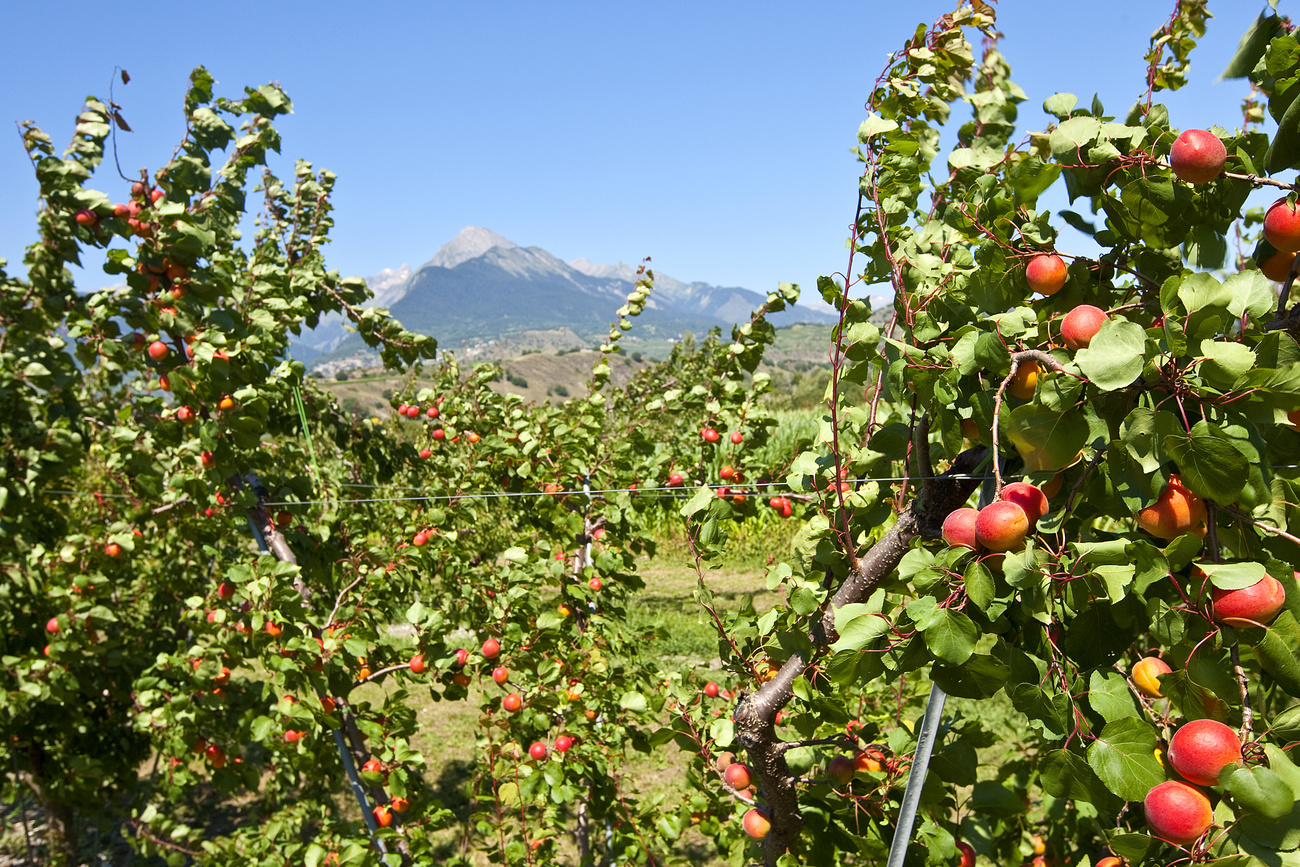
(713, 137)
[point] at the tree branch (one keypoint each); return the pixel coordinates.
(755, 713)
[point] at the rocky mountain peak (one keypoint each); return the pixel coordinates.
(472, 242)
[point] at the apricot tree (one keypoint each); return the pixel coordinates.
(1144, 389)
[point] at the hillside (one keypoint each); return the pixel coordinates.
(481, 288)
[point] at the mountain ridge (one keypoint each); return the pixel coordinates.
(482, 286)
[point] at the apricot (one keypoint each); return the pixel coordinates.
(1053, 486)
(1177, 812)
(1111, 861)
(959, 528)
(841, 769)
(1176, 511)
(737, 776)
(724, 761)
(1277, 267)
(1001, 526)
(971, 430)
(967, 854)
(1046, 273)
(1293, 419)
(1255, 605)
(1198, 156)
(757, 823)
(1081, 324)
(870, 759)
(1146, 675)
(1029, 498)
(1282, 226)
(1202, 748)
(1022, 385)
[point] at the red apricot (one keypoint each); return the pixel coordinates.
(1282, 226)
(737, 776)
(1255, 605)
(1202, 748)
(1178, 812)
(1198, 156)
(1001, 526)
(1046, 273)
(1022, 385)
(1081, 324)
(757, 823)
(959, 528)
(1029, 498)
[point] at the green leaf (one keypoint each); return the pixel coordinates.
(1116, 355)
(1047, 440)
(1278, 650)
(803, 601)
(1233, 576)
(1284, 152)
(1066, 774)
(1109, 696)
(549, 620)
(1261, 791)
(857, 628)
(703, 498)
(633, 701)
(1210, 466)
(1124, 758)
(1251, 48)
(1224, 362)
(1282, 834)
(874, 125)
(980, 676)
(1060, 104)
(951, 636)
(980, 588)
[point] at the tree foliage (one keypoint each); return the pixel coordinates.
(156, 651)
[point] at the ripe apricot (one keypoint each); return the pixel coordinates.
(967, 854)
(737, 776)
(959, 528)
(1001, 526)
(1282, 226)
(1081, 324)
(1198, 156)
(757, 823)
(1176, 511)
(1202, 748)
(1146, 675)
(1177, 812)
(1046, 273)
(1022, 385)
(1255, 605)
(841, 769)
(1277, 267)
(1029, 498)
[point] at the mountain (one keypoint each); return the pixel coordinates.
(480, 286)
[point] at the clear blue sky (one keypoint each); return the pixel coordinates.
(713, 137)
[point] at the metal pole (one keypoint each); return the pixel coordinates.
(916, 777)
(924, 747)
